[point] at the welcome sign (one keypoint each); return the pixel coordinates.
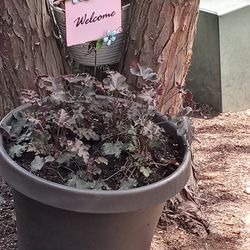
(90, 20)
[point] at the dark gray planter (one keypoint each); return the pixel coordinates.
(51, 216)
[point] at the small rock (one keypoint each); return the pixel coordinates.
(247, 219)
(247, 190)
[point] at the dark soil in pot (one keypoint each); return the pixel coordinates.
(112, 174)
(113, 178)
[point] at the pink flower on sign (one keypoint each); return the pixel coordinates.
(90, 20)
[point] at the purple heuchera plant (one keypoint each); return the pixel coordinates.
(72, 135)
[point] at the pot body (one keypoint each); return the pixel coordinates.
(42, 227)
(51, 216)
(80, 53)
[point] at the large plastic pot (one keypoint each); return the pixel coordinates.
(80, 53)
(51, 216)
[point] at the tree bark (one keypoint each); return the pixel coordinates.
(27, 48)
(161, 37)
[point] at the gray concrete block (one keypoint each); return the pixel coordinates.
(220, 69)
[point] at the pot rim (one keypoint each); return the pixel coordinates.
(69, 198)
(51, 2)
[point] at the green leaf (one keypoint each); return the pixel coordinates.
(155, 143)
(129, 183)
(146, 73)
(93, 169)
(115, 82)
(131, 148)
(101, 185)
(81, 149)
(113, 148)
(30, 96)
(65, 158)
(138, 158)
(150, 129)
(132, 130)
(145, 171)
(41, 137)
(102, 160)
(37, 164)
(99, 44)
(78, 181)
(24, 137)
(63, 118)
(17, 124)
(39, 143)
(49, 158)
(55, 86)
(17, 150)
(88, 133)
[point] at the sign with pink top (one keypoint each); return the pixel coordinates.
(90, 20)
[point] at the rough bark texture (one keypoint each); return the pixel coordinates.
(27, 48)
(161, 37)
(185, 210)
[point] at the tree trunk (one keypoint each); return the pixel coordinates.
(27, 48)
(161, 36)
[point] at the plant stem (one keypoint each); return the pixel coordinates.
(166, 101)
(60, 176)
(57, 136)
(115, 103)
(95, 68)
(113, 175)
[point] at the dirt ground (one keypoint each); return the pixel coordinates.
(223, 171)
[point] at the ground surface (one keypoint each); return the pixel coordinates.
(223, 172)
